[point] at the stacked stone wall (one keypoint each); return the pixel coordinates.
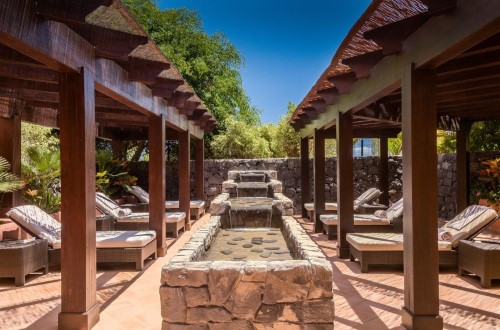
(289, 173)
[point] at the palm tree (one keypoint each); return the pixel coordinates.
(8, 181)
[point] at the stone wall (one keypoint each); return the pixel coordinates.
(288, 169)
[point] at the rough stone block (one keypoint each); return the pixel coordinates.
(189, 274)
(247, 299)
(177, 326)
(287, 281)
(197, 297)
(277, 326)
(269, 313)
(173, 304)
(223, 277)
(207, 314)
(235, 324)
(255, 271)
(322, 279)
(315, 311)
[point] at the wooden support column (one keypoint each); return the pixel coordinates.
(10, 147)
(463, 167)
(421, 261)
(305, 194)
(157, 181)
(118, 149)
(345, 187)
(199, 174)
(319, 179)
(384, 171)
(79, 309)
(184, 176)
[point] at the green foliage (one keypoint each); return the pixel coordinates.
(40, 137)
(41, 169)
(284, 141)
(111, 174)
(487, 185)
(8, 181)
(485, 136)
(240, 140)
(395, 145)
(446, 142)
(209, 63)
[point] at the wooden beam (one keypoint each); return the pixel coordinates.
(318, 106)
(13, 83)
(68, 11)
(199, 149)
(384, 171)
(438, 7)
(473, 62)
(463, 167)
(144, 70)
(305, 195)
(185, 176)
(345, 186)
(21, 71)
(362, 64)
(421, 275)
(10, 147)
(343, 82)
(390, 37)
(157, 181)
(79, 308)
(319, 179)
(47, 117)
(330, 95)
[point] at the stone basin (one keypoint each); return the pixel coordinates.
(252, 177)
(252, 189)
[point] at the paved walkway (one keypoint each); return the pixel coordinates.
(130, 299)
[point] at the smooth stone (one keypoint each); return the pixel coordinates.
(226, 234)
(226, 251)
(272, 248)
(272, 234)
(257, 238)
(246, 246)
(231, 243)
(239, 257)
(257, 250)
(266, 254)
(275, 229)
(268, 241)
(238, 239)
(281, 252)
(257, 242)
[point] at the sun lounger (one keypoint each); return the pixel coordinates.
(390, 221)
(387, 248)
(197, 207)
(111, 246)
(365, 198)
(125, 219)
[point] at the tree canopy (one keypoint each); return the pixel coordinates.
(209, 63)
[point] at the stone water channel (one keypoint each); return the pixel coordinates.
(250, 265)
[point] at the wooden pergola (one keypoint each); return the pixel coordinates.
(415, 66)
(88, 68)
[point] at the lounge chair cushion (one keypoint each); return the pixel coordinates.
(470, 220)
(140, 193)
(359, 220)
(328, 206)
(37, 222)
(119, 239)
(384, 242)
(196, 204)
(144, 217)
(367, 197)
(109, 207)
(143, 197)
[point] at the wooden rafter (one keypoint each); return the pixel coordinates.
(343, 82)
(362, 64)
(68, 11)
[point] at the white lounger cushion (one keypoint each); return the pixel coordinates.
(144, 217)
(109, 207)
(328, 206)
(196, 204)
(359, 219)
(365, 198)
(42, 225)
(143, 197)
(384, 242)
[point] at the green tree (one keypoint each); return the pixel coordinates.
(209, 63)
(40, 137)
(286, 142)
(240, 140)
(395, 145)
(8, 181)
(484, 137)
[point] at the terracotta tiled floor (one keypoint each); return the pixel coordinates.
(130, 299)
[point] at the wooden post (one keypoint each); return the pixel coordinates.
(319, 179)
(118, 149)
(199, 169)
(157, 184)
(421, 261)
(10, 148)
(463, 167)
(305, 194)
(384, 171)
(79, 309)
(345, 187)
(184, 176)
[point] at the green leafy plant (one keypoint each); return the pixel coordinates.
(8, 181)
(112, 174)
(41, 169)
(488, 183)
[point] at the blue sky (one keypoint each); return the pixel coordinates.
(286, 43)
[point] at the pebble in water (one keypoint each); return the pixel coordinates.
(257, 238)
(238, 239)
(272, 233)
(257, 242)
(281, 252)
(239, 257)
(226, 251)
(257, 250)
(246, 246)
(225, 234)
(266, 254)
(268, 241)
(272, 248)
(232, 243)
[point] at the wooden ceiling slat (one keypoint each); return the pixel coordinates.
(10, 56)
(470, 76)
(68, 11)
(21, 71)
(362, 64)
(487, 83)
(390, 37)
(28, 85)
(469, 63)
(480, 94)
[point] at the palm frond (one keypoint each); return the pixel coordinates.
(8, 181)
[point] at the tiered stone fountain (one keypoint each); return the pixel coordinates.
(250, 265)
